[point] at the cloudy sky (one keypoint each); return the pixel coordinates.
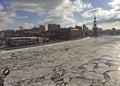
(29, 13)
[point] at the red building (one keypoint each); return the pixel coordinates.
(68, 33)
(65, 33)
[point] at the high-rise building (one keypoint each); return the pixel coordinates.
(39, 29)
(42, 28)
(53, 27)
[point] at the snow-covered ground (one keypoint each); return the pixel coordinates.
(84, 62)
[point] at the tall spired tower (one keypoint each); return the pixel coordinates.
(95, 27)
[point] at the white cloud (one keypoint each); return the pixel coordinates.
(35, 6)
(26, 26)
(110, 25)
(109, 18)
(45, 6)
(6, 17)
(64, 13)
(96, 12)
(114, 11)
(114, 3)
(1, 7)
(59, 11)
(22, 17)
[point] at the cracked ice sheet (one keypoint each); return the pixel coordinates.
(76, 58)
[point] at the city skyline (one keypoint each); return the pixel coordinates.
(67, 13)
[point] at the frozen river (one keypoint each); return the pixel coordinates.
(84, 62)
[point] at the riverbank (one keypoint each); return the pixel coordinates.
(41, 44)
